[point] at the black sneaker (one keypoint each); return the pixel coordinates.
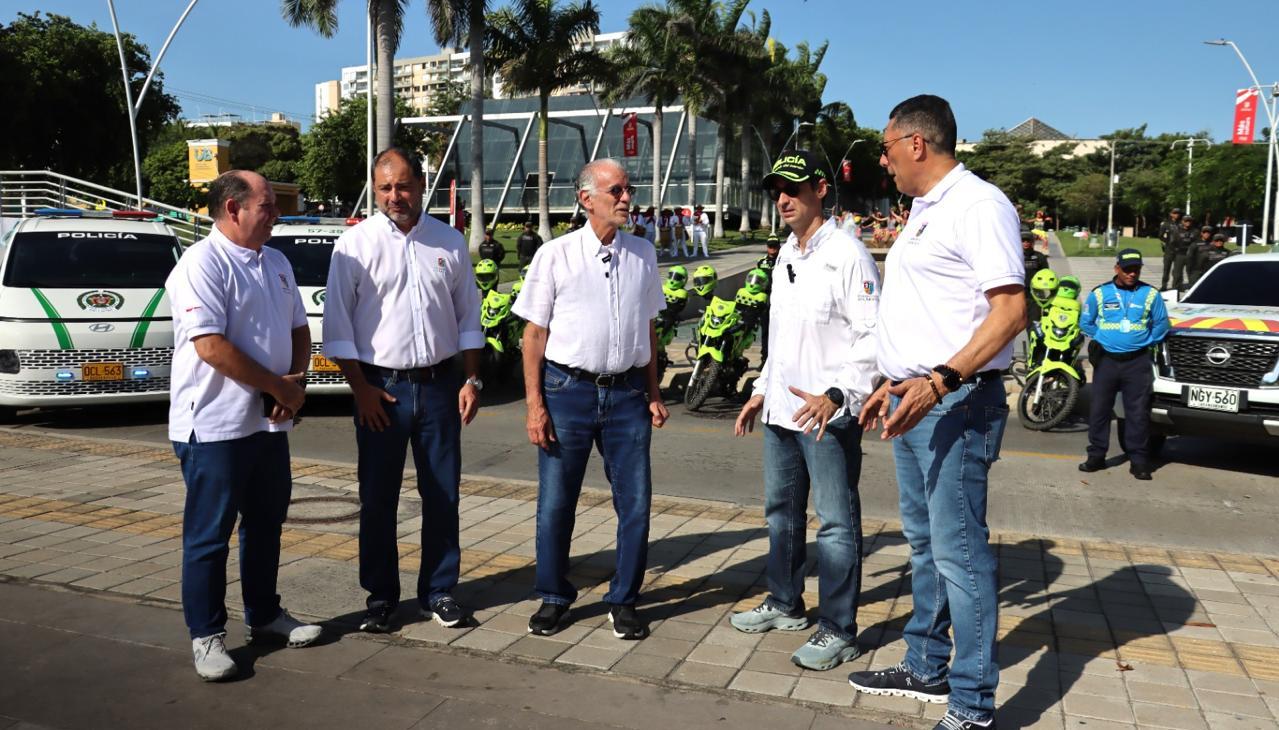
(1092, 465)
(548, 619)
(377, 620)
(897, 682)
(627, 624)
(954, 722)
(445, 611)
(1140, 472)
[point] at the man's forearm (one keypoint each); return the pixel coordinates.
(471, 363)
(1007, 317)
(650, 370)
(352, 371)
(228, 360)
(534, 348)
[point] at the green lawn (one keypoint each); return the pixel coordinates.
(1079, 246)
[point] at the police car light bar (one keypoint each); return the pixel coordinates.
(78, 213)
(300, 219)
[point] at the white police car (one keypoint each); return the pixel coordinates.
(307, 241)
(84, 318)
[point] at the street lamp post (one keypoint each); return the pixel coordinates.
(1110, 210)
(1190, 162)
(792, 136)
(1266, 232)
(135, 106)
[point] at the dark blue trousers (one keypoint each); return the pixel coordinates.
(1134, 380)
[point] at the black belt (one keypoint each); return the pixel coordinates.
(1126, 356)
(602, 380)
(983, 376)
(413, 375)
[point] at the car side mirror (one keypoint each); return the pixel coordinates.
(1170, 296)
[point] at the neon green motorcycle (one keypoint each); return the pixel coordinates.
(502, 332)
(1055, 377)
(727, 328)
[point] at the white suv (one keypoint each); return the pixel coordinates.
(1217, 373)
(307, 241)
(84, 318)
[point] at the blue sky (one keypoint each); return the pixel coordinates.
(1086, 67)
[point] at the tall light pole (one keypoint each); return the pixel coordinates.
(1110, 210)
(1190, 162)
(792, 136)
(135, 106)
(1266, 232)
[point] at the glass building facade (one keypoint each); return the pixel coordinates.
(572, 136)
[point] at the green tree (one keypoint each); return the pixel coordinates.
(65, 107)
(332, 166)
(532, 47)
(165, 171)
(1086, 198)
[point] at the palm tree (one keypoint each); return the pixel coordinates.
(451, 21)
(534, 46)
(647, 65)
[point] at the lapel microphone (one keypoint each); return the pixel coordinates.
(790, 273)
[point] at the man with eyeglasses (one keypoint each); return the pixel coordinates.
(821, 367)
(590, 379)
(951, 308)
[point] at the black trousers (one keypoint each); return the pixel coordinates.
(1169, 254)
(1180, 270)
(1134, 379)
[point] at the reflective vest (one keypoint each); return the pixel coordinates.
(1118, 319)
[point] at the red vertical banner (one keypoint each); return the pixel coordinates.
(1246, 101)
(630, 136)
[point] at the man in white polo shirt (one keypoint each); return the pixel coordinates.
(823, 305)
(952, 305)
(590, 380)
(241, 350)
(401, 303)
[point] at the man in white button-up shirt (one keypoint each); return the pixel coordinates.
(401, 303)
(240, 352)
(590, 380)
(952, 305)
(820, 368)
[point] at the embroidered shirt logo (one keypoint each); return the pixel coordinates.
(868, 287)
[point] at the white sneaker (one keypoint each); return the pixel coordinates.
(212, 662)
(295, 633)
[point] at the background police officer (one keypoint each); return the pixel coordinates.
(772, 247)
(1169, 230)
(1181, 246)
(1124, 317)
(1209, 257)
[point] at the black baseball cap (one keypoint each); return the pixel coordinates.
(1128, 257)
(1205, 228)
(795, 166)
(772, 241)
(1026, 235)
(1219, 237)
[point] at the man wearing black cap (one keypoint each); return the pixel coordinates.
(1169, 230)
(1125, 318)
(1209, 257)
(1035, 261)
(772, 247)
(825, 299)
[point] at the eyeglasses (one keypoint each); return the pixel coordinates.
(790, 188)
(883, 147)
(617, 190)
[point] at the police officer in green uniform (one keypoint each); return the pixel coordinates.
(1125, 318)
(1169, 232)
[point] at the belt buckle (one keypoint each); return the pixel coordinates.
(605, 381)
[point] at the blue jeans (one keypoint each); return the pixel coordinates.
(249, 477)
(615, 420)
(942, 468)
(796, 465)
(423, 417)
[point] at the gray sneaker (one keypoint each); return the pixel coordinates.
(824, 650)
(766, 617)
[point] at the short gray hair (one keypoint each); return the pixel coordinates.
(586, 178)
(230, 185)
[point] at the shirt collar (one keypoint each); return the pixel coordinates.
(592, 244)
(391, 226)
(793, 240)
(242, 253)
(935, 193)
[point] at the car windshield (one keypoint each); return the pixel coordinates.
(1239, 284)
(80, 259)
(309, 255)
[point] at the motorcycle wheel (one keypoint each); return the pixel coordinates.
(1056, 402)
(699, 389)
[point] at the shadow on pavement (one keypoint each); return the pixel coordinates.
(1079, 625)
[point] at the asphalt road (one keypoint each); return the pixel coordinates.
(1209, 494)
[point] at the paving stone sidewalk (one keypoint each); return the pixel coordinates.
(1092, 634)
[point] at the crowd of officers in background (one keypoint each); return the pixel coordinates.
(1189, 250)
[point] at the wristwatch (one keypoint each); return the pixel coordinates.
(836, 396)
(475, 380)
(950, 377)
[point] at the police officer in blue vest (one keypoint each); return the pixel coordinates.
(1125, 318)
